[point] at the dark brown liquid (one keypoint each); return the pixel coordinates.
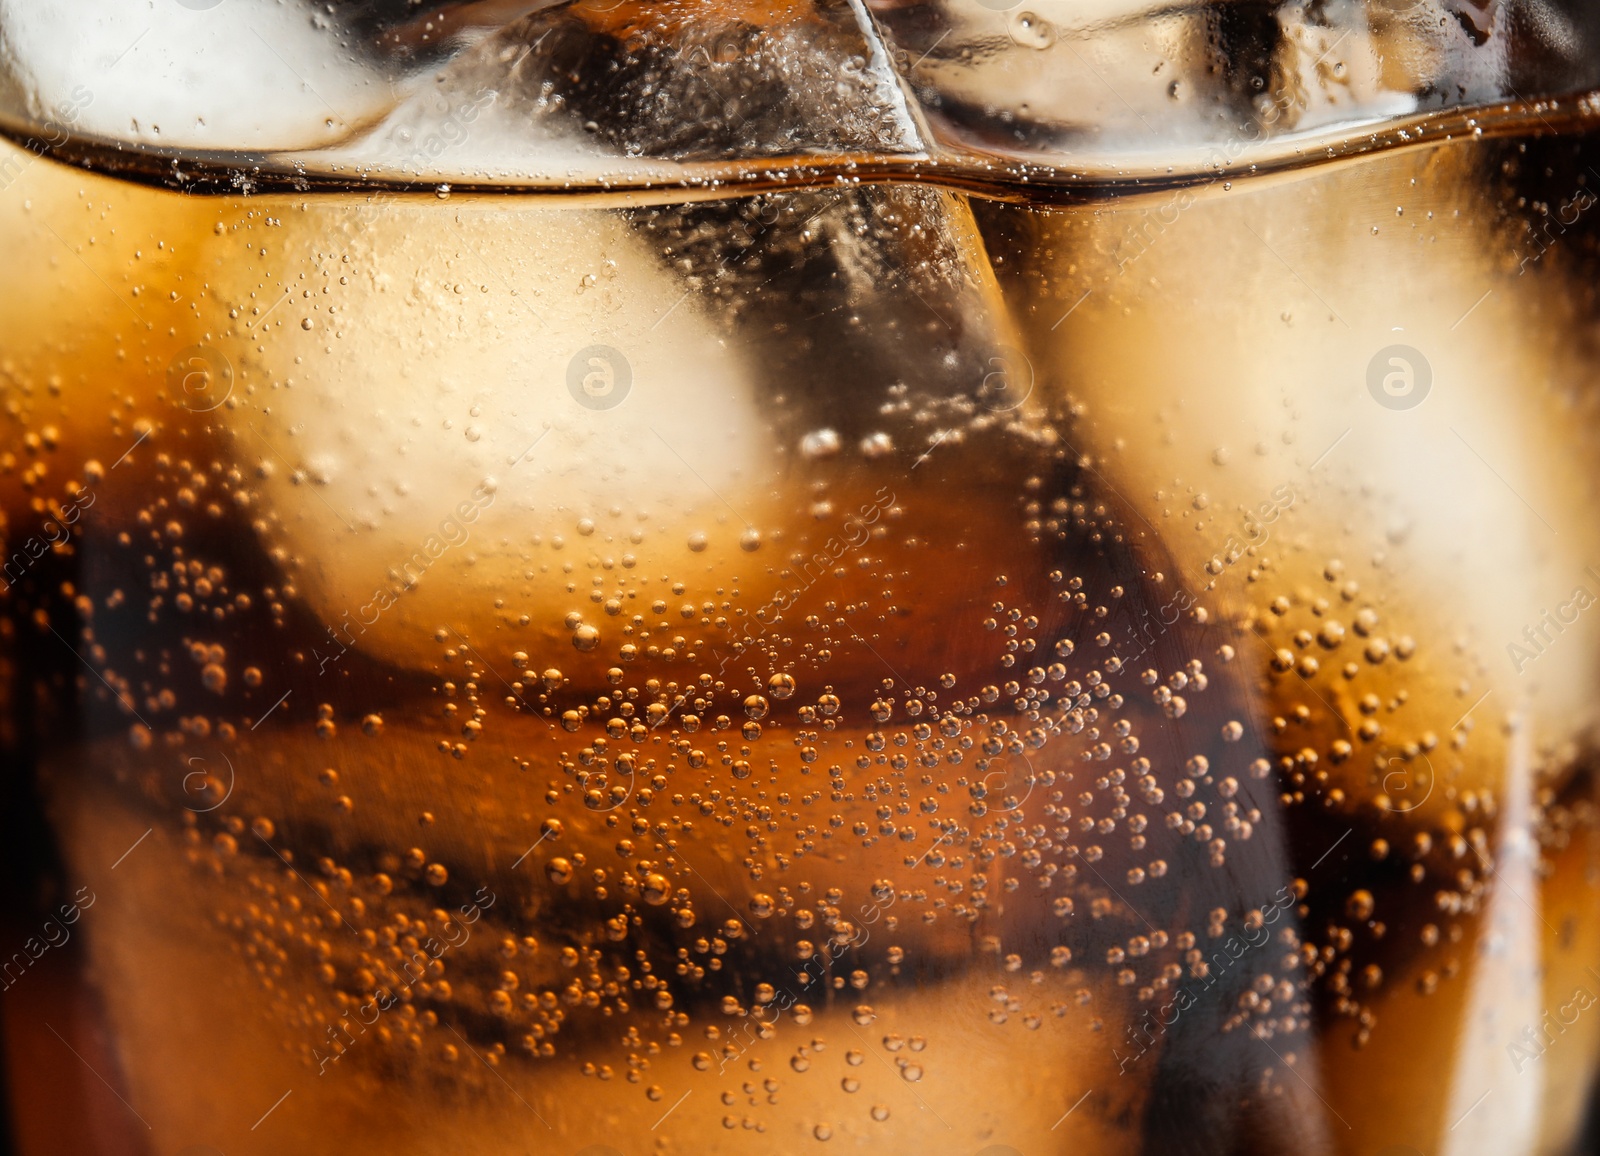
(785, 731)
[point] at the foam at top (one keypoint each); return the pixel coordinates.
(604, 92)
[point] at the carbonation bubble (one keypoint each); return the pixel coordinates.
(960, 816)
(820, 443)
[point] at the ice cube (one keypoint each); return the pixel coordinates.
(1066, 83)
(1251, 365)
(190, 74)
(576, 86)
(1058, 77)
(516, 422)
(1351, 500)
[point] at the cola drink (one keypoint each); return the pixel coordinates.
(799, 639)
